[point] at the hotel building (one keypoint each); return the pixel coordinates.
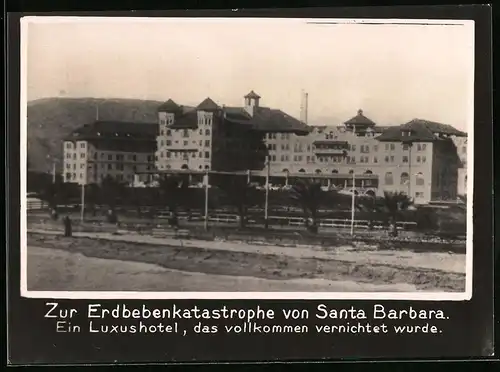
(105, 148)
(421, 158)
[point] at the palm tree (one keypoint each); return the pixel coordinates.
(310, 197)
(172, 194)
(110, 190)
(241, 194)
(51, 193)
(394, 203)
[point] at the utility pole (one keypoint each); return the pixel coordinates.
(206, 200)
(53, 171)
(266, 206)
(353, 201)
(82, 210)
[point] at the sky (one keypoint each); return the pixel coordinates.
(393, 72)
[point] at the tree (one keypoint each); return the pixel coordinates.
(51, 193)
(173, 192)
(111, 189)
(241, 194)
(393, 203)
(92, 197)
(310, 197)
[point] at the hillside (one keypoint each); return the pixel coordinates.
(50, 119)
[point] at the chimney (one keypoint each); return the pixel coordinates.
(251, 102)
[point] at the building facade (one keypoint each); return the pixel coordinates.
(104, 148)
(424, 159)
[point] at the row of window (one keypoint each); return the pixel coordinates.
(183, 155)
(184, 143)
(404, 179)
(185, 132)
(283, 136)
(69, 145)
(110, 157)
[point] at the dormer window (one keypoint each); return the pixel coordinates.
(406, 133)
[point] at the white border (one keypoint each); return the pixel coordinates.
(422, 296)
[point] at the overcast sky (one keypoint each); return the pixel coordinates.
(393, 72)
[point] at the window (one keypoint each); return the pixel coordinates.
(207, 132)
(419, 180)
(353, 147)
(168, 154)
(207, 155)
(406, 147)
(419, 147)
(81, 176)
(68, 156)
(74, 166)
(387, 147)
(389, 180)
(134, 157)
(207, 143)
(82, 145)
(169, 143)
(424, 159)
(405, 159)
(273, 157)
(74, 156)
(169, 132)
(82, 166)
(386, 159)
(201, 132)
(185, 143)
(375, 159)
(424, 147)
(375, 148)
(162, 132)
(82, 155)
(69, 145)
(418, 159)
(185, 133)
(393, 146)
(405, 178)
(419, 195)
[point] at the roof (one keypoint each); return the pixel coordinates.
(188, 120)
(421, 131)
(266, 119)
(360, 120)
(169, 106)
(207, 105)
(115, 129)
(252, 94)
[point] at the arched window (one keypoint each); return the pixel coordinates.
(302, 170)
(335, 171)
(207, 167)
(285, 170)
(185, 166)
(405, 178)
(389, 180)
(420, 179)
(351, 171)
(368, 172)
(317, 171)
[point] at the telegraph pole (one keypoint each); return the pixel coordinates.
(353, 201)
(206, 200)
(266, 207)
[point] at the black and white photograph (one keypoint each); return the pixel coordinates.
(249, 158)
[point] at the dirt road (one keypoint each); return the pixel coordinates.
(56, 270)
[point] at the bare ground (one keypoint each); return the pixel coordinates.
(256, 265)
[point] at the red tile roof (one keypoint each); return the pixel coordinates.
(421, 131)
(253, 95)
(207, 105)
(169, 106)
(115, 129)
(360, 120)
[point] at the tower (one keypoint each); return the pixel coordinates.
(251, 102)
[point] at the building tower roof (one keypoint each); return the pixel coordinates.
(169, 106)
(360, 120)
(207, 105)
(252, 95)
